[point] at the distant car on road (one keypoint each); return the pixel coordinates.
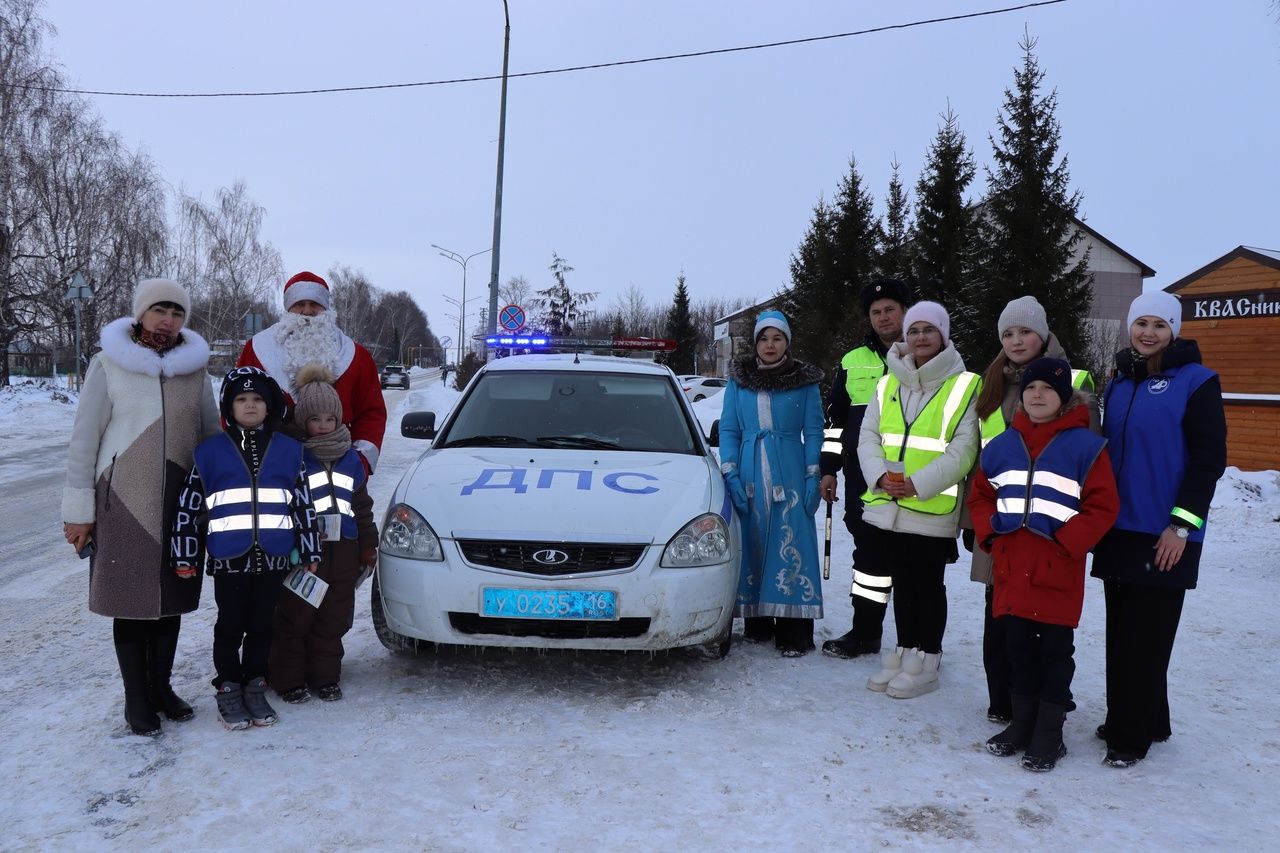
(566, 502)
(395, 375)
(700, 387)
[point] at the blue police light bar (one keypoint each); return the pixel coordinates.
(514, 341)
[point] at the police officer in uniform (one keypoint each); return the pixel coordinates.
(884, 302)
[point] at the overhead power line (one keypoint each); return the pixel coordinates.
(545, 72)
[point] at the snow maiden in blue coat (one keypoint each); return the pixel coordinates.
(770, 443)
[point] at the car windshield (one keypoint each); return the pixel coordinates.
(578, 409)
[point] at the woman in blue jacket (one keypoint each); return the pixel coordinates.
(770, 442)
(1166, 433)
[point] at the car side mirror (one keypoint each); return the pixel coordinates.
(713, 438)
(418, 425)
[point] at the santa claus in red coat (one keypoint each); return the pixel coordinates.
(309, 333)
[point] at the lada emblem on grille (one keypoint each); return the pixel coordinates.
(550, 557)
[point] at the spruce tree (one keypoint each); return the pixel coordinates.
(896, 249)
(561, 307)
(680, 328)
(945, 232)
(837, 256)
(1027, 224)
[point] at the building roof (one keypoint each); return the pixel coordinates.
(1265, 257)
(1147, 271)
(750, 309)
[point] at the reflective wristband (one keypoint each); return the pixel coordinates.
(1192, 519)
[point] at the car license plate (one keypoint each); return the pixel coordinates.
(550, 603)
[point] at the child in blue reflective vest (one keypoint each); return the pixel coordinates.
(1042, 497)
(306, 652)
(246, 502)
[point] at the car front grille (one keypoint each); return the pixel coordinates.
(579, 557)
(555, 629)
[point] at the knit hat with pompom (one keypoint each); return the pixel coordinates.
(314, 394)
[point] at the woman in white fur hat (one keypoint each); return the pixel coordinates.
(146, 402)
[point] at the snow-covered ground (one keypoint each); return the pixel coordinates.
(465, 750)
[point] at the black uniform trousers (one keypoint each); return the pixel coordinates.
(1041, 661)
(995, 661)
(242, 634)
(1142, 622)
(868, 614)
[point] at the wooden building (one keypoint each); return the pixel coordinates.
(1231, 308)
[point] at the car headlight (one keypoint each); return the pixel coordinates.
(405, 533)
(702, 542)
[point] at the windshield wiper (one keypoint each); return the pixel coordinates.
(491, 441)
(577, 441)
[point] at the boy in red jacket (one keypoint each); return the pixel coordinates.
(1042, 497)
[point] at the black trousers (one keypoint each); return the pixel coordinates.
(868, 614)
(1041, 661)
(995, 660)
(125, 630)
(916, 564)
(242, 634)
(1142, 622)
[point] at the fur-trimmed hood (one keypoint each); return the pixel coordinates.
(189, 356)
(745, 372)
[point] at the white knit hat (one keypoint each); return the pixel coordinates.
(152, 290)
(931, 313)
(1024, 311)
(1160, 304)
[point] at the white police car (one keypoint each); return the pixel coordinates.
(567, 502)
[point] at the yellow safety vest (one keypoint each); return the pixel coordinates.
(863, 368)
(993, 424)
(925, 439)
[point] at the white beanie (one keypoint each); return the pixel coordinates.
(152, 290)
(1024, 311)
(931, 313)
(1157, 303)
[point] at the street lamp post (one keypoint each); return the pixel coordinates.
(78, 292)
(461, 261)
(497, 191)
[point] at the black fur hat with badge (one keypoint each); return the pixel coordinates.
(885, 288)
(257, 381)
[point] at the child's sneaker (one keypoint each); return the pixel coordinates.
(297, 695)
(231, 708)
(255, 701)
(330, 693)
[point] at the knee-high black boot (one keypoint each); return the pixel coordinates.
(1015, 738)
(162, 647)
(1046, 745)
(131, 652)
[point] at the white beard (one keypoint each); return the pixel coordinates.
(303, 340)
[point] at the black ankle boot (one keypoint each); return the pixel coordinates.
(1015, 738)
(1046, 745)
(849, 646)
(162, 648)
(138, 713)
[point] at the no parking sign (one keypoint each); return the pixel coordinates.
(511, 318)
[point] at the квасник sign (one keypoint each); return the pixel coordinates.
(1231, 305)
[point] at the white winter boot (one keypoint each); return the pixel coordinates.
(891, 665)
(919, 676)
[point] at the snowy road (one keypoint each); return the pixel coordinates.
(518, 750)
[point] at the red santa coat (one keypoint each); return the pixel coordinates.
(363, 410)
(1034, 577)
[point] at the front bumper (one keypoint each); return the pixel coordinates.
(657, 608)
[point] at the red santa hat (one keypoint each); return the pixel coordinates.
(306, 285)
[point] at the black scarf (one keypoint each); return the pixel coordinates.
(746, 373)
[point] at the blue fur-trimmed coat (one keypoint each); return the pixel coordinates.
(770, 444)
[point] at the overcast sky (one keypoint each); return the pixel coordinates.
(708, 165)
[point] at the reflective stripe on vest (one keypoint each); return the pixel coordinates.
(993, 424)
(863, 368)
(926, 439)
(332, 490)
(1044, 494)
(244, 510)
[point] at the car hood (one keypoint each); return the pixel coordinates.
(557, 494)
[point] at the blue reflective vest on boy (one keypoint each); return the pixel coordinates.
(244, 509)
(333, 489)
(1041, 494)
